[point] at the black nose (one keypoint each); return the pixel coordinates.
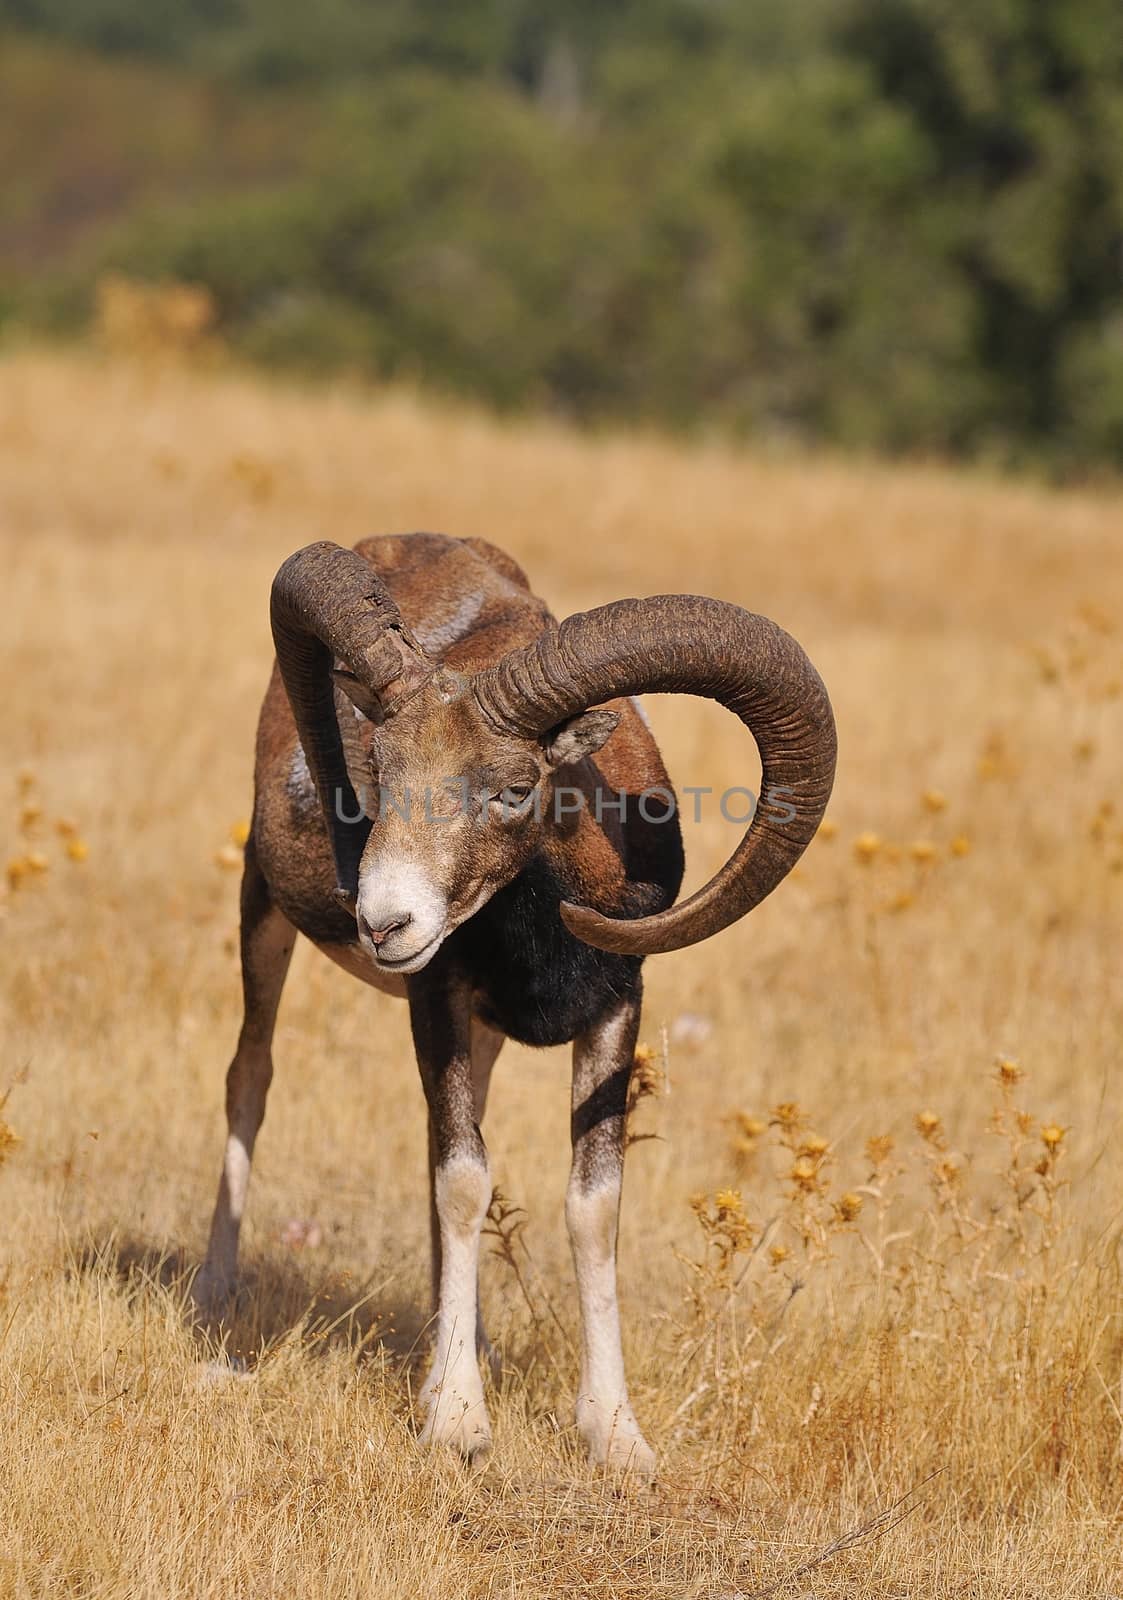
(377, 935)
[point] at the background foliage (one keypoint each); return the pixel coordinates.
(890, 224)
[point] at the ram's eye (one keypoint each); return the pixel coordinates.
(512, 801)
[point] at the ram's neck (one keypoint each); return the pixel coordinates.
(531, 978)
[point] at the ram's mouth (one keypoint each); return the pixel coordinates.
(411, 963)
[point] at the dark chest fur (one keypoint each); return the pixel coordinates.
(535, 981)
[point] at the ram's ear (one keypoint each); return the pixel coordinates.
(358, 693)
(580, 736)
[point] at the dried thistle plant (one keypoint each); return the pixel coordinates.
(648, 1081)
(9, 1138)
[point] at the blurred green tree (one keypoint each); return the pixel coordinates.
(892, 224)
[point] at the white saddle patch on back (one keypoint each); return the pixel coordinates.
(299, 785)
(440, 636)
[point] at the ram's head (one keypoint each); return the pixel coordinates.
(472, 759)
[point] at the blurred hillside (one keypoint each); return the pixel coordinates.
(889, 224)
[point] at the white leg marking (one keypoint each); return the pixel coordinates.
(486, 1045)
(452, 1395)
(215, 1279)
(601, 1062)
(604, 1413)
(236, 1169)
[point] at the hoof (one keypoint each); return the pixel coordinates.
(628, 1458)
(221, 1374)
(614, 1441)
(457, 1421)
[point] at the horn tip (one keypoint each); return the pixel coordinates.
(347, 899)
(592, 927)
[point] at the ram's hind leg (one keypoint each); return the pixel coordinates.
(602, 1065)
(267, 943)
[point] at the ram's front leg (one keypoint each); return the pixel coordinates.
(602, 1065)
(452, 1395)
(486, 1045)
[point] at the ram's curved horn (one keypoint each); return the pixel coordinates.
(685, 644)
(327, 603)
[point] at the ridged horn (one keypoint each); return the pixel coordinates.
(327, 603)
(685, 644)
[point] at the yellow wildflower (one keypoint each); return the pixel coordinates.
(804, 1174)
(752, 1127)
(17, 870)
(928, 1125)
(866, 847)
(879, 1147)
(647, 1074)
(9, 1138)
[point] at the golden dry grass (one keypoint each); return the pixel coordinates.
(819, 1328)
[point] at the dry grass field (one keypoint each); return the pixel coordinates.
(871, 1260)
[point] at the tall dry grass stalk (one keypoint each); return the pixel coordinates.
(870, 1259)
